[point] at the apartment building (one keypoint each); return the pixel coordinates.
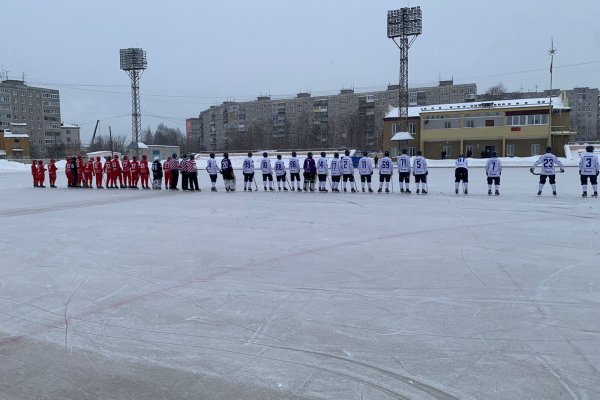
(347, 119)
(38, 107)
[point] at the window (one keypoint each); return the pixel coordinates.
(412, 127)
(535, 149)
(412, 151)
(489, 122)
(469, 149)
(470, 123)
(447, 124)
(510, 150)
(447, 150)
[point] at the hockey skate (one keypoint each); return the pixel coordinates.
(456, 191)
(379, 190)
(466, 191)
(594, 195)
(489, 192)
(401, 190)
(554, 193)
(363, 189)
(407, 191)
(539, 193)
(424, 191)
(285, 189)
(387, 190)
(418, 191)
(370, 190)
(497, 193)
(584, 194)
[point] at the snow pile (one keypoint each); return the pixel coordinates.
(12, 166)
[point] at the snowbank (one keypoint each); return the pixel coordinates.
(12, 166)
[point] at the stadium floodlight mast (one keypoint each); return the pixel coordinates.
(402, 24)
(551, 53)
(133, 61)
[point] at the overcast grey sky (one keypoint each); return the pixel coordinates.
(201, 53)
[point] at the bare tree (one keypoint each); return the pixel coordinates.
(496, 92)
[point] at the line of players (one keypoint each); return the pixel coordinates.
(127, 174)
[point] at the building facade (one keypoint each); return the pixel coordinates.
(346, 119)
(511, 128)
(14, 142)
(39, 108)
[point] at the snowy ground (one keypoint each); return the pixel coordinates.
(144, 294)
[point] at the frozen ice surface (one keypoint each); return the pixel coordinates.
(128, 294)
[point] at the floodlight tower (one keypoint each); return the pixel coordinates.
(133, 61)
(402, 24)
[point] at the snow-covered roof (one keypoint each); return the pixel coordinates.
(412, 112)
(137, 145)
(70, 126)
(557, 104)
(9, 134)
(402, 136)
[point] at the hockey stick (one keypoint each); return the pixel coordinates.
(392, 179)
(539, 173)
(288, 183)
(255, 185)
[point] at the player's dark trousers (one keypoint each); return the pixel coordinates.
(184, 180)
(193, 179)
(174, 178)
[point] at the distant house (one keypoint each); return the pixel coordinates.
(14, 144)
(519, 128)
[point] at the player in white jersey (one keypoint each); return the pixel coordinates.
(348, 171)
(267, 171)
(365, 170)
(461, 173)
(248, 171)
(336, 172)
(547, 161)
(589, 169)
(294, 167)
(420, 172)
(404, 172)
(280, 173)
(322, 170)
(386, 169)
(213, 169)
(493, 170)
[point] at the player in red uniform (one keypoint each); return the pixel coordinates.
(126, 167)
(108, 171)
(68, 172)
(52, 173)
(34, 173)
(115, 166)
(167, 169)
(98, 172)
(89, 172)
(144, 171)
(81, 171)
(135, 172)
(41, 173)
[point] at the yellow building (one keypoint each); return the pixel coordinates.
(14, 145)
(516, 128)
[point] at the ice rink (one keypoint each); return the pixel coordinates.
(123, 294)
